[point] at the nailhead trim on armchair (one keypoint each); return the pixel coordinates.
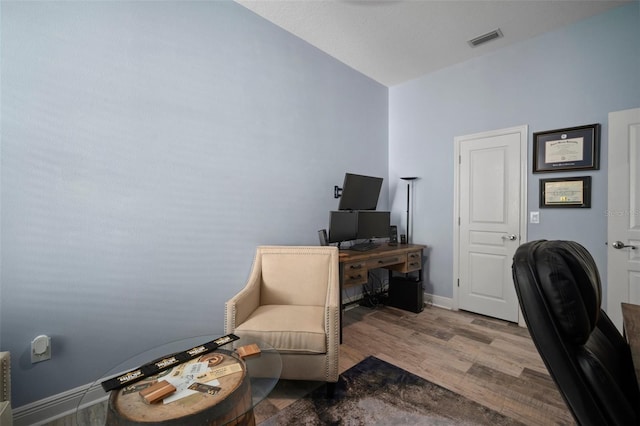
(6, 418)
(5, 376)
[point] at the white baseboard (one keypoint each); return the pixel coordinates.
(54, 407)
(439, 301)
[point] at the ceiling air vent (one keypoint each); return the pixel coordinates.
(484, 38)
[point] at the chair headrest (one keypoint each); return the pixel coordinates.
(569, 279)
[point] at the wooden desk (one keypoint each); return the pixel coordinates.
(631, 325)
(355, 265)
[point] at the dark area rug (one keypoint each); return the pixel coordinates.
(374, 392)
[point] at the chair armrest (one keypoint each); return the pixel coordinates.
(240, 306)
(6, 417)
(5, 376)
(332, 319)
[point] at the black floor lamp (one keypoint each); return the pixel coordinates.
(409, 180)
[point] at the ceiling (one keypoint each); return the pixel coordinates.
(393, 41)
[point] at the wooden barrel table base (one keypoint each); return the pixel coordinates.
(230, 405)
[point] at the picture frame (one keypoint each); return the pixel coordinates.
(573, 148)
(574, 192)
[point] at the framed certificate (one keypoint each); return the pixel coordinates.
(575, 148)
(567, 192)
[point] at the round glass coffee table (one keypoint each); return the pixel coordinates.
(215, 388)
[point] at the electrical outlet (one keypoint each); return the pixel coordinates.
(40, 349)
(534, 217)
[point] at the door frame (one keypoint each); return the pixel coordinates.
(524, 150)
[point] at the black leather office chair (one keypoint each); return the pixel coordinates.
(559, 291)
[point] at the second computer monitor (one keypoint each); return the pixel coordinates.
(343, 226)
(373, 224)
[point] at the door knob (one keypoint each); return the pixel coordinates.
(510, 237)
(620, 245)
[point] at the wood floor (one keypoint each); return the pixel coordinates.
(490, 361)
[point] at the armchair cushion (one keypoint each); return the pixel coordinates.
(290, 328)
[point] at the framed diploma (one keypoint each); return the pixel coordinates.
(567, 192)
(575, 148)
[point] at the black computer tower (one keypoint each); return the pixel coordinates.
(406, 293)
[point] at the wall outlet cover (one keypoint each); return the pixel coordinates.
(40, 349)
(534, 217)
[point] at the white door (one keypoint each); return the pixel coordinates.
(623, 212)
(491, 177)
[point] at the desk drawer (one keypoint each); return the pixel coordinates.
(386, 261)
(414, 260)
(354, 273)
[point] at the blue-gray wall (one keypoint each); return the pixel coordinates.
(147, 149)
(571, 77)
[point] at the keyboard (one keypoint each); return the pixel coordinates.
(364, 246)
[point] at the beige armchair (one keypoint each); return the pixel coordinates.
(6, 418)
(291, 302)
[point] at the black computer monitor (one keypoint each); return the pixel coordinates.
(360, 192)
(373, 224)
(343, 226)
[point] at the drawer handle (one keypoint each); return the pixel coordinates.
(355, 266)
(413, 255)
(353, 277)
(414, 264)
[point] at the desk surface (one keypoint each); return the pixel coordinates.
(384, 249)
(631, 321)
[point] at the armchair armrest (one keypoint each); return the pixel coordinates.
(5, 376)
(240, 306)
(332, 321)
(6, 417)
